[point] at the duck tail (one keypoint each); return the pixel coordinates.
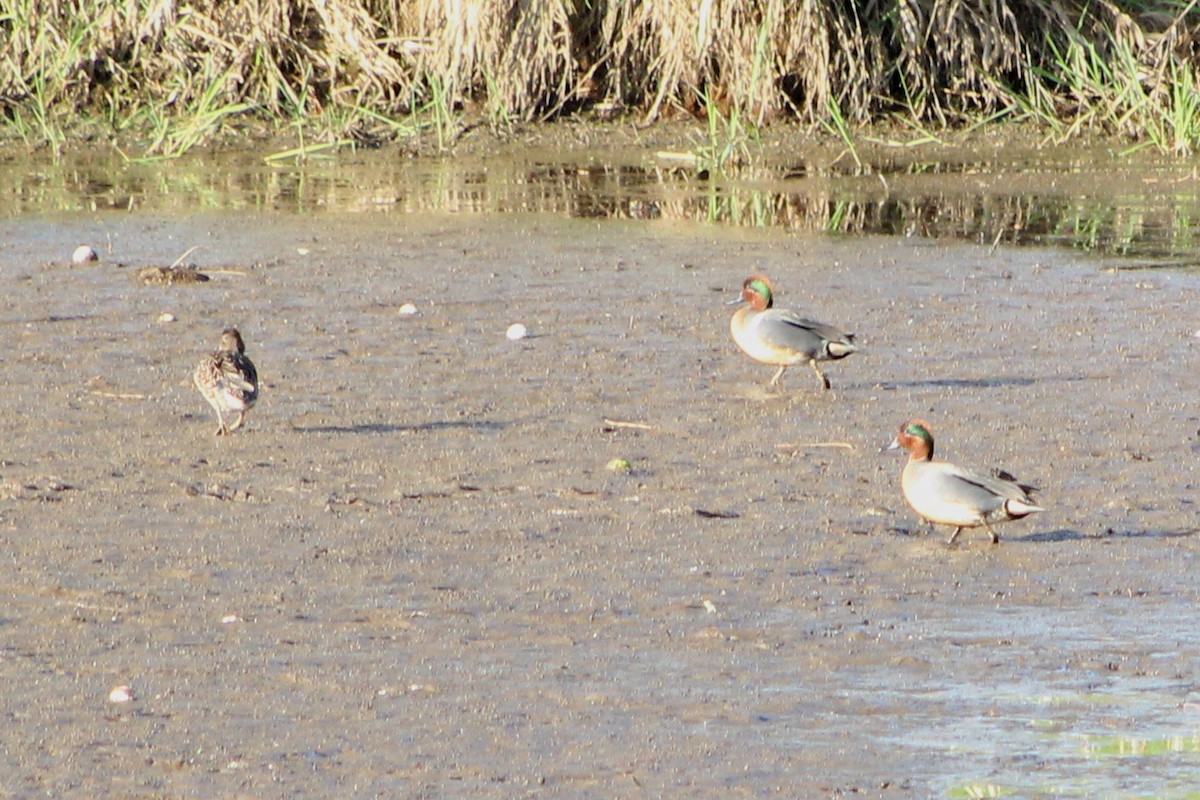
(843, 348)
(1020, 508)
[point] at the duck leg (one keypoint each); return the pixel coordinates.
(237, 423)
(954, 535)
(995, 536)
(221, 429)
(778, 375)
(820, 375)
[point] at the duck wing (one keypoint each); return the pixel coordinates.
(235, 373)
(818, 340)
(967, 484)
(1005, 475)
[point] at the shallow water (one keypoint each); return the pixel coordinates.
(412, 574)
(1101, 199)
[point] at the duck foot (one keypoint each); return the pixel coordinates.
(820, 375)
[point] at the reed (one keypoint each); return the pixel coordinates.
(164, 77)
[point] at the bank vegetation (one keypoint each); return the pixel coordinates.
(159, 77)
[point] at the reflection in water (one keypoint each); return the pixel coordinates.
(1147, 211)
(1097, 746)
(980, 790)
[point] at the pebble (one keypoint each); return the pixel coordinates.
(121, 694)
(408, 309)
(83, 254)
(516, 331)
(166, 316)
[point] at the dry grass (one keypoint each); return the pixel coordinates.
(174, 74)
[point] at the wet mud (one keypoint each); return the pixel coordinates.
(412, 574)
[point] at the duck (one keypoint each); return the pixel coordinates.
(946, 494)
(783, 338)
(228, 380)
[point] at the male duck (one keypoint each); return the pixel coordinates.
(228, 380)
(782, 338)
(950, 495)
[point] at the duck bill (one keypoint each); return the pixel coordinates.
(895, 445)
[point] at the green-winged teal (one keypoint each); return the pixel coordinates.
(782, 338)
(228, 380)
(950, 495)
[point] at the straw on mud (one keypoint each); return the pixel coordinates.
(814, 445)
(615, 423)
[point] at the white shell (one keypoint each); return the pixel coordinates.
(516, 331)
(166, 316)
(84, 254)
(408, 309)
(121, 694)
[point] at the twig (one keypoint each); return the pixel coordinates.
(109, 391)
(119, 395)
(186, 253)
(619, 424)
(808, 445)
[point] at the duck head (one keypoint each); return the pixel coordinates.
(915, 436)
(231, 340)
(756, 290)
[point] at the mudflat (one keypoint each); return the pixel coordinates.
(413, 573)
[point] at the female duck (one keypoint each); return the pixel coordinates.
(950, 495)
(781, 338)
(228, 380)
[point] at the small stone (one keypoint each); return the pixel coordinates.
(408, 309)
(516, 331)
(121, 694)
(83, 254)
(166, 316)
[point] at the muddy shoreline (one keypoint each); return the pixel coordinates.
(411, 573)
